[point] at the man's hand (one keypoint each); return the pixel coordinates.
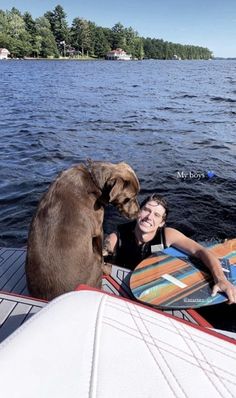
(226, 287)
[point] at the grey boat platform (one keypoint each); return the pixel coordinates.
(15, 306)
(12, 271)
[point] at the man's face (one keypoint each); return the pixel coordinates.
(150, 217)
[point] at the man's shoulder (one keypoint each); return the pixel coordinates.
(175, 237)
(171, 231)
(159, 236)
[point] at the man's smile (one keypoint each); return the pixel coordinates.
(146, 222)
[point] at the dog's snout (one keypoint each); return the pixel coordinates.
(130, 210)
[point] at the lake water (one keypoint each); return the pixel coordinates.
(174, 122)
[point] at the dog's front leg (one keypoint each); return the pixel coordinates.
(106, 268)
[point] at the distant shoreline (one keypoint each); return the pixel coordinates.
(225, 59)
(62, 59)
(103, 59)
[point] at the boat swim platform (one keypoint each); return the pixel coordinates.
(14, 311)
(12, 271)
(16, 305)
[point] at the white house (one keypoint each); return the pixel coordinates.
(176, 57)
(4, 53)
(118, 55)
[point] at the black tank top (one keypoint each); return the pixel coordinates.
(128, 253)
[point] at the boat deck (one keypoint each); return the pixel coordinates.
(12, 271)
(16, 306)
(14, 311)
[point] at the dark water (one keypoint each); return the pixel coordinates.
(172, 121)
(169, 120)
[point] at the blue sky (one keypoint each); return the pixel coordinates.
(207, 23)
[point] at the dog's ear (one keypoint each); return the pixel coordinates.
(117, 187)
(99, 172)
(98, 177)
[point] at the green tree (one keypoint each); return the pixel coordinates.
(159, 49)
(29, 23)
(138, 48)
(50, 35)
(15, 23)
(46, 44)
(118, 36)
(30, 27)
(59, 27)
(3, 22)
(5, 38)
(130, 40)
(99, 44)
(108, 35)
(16, 35)
(81, 36)
(149, 47)
(5, 41)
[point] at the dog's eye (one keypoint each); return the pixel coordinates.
(126, 201)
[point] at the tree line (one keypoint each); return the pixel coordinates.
(51, 36)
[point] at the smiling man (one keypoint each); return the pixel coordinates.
(136, 240)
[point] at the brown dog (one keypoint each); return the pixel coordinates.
(65, 238)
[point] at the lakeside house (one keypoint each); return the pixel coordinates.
(176, 57)
(118, 55)
(4, 53)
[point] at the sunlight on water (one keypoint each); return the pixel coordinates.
(173, 122)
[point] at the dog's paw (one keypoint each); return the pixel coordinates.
(106, 268)
(105, 252)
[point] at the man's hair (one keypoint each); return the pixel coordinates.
(159, 200)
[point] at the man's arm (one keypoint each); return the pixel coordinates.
(180, 241)
(109, 245)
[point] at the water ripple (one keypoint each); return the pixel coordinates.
(162, 117)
